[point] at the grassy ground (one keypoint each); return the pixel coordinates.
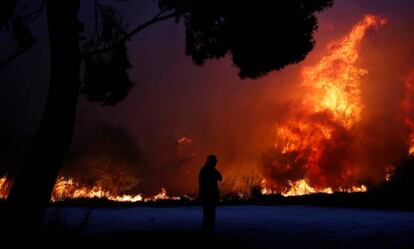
(237, 226)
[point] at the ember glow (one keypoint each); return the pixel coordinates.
(408, 107)
(322, 123)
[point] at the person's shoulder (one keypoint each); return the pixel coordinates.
(203, 170)
(217, 172)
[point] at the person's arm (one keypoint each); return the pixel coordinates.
(219, 177)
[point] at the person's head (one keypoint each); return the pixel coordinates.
(211, 161)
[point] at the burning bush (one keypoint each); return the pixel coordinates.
(106, 157)
(314, 142)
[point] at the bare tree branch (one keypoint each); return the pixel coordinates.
(19, 52)
(157, 18)
(28, 17)
(35, 14)
(95, 9)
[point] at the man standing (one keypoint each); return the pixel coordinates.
(209, 192)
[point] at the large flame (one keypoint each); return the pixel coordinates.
(330, 108)
(334, 84)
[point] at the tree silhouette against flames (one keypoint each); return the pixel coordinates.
(259, 36)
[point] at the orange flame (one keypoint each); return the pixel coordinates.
(67, 188)
(334, 84)
(331, 103)
(4, 187)
(162, 196)
(301, 187)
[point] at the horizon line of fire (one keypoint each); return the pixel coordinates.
(69, 189)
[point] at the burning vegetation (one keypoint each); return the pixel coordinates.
(314, 141)
(68, 188)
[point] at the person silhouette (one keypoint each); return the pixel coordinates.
(209, 192)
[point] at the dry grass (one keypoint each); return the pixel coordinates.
(240, 187)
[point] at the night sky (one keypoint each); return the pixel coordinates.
(210, 104)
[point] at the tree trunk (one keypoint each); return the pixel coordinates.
(39, 168)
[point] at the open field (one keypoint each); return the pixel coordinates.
(242, 226)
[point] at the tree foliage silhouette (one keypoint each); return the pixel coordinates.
(260, 36)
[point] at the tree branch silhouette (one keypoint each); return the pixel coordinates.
(157, 18)
(35, 14)
(19, 52)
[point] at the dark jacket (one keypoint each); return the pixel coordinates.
(208, 184)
